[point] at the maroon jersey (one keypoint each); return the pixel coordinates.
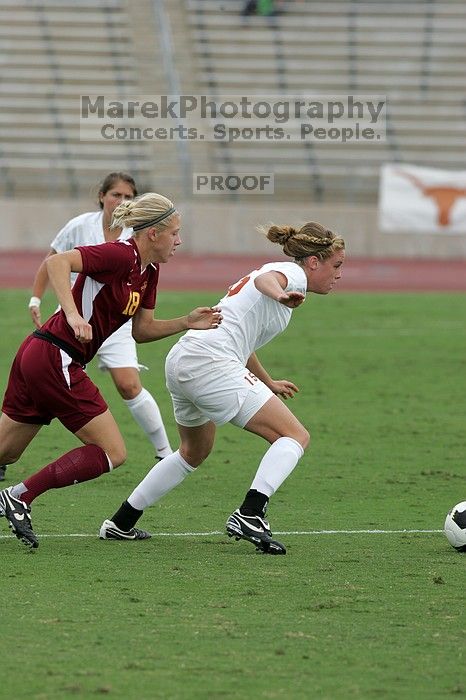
(107, 293)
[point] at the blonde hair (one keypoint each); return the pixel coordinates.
(149, 209)
(310, 239)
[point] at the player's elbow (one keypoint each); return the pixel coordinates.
(138, 333)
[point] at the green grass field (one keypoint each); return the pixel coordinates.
(194, 616)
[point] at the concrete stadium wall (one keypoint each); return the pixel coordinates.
(224, 227)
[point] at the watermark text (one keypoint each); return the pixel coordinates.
(234, 118)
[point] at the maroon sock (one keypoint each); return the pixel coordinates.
(81, 464)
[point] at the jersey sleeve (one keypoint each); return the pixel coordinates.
(107, 261)
(295, 276)
(65, 238)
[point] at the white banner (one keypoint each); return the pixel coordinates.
(422, 200)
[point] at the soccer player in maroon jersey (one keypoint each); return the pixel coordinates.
(118, 354)
(117, 281)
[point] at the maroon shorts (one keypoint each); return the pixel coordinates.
(45, 383)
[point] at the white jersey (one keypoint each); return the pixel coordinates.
(250, 319)
(85, 229)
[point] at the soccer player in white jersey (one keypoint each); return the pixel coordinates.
(214, 377)
(118, 353)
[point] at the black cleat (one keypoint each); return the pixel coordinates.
(254, 529)
(2, 472)
(109, 531)
(17, 513)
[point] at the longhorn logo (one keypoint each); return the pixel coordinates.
(443, 196)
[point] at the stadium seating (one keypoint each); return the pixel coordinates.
(55, 50)
(411, 52)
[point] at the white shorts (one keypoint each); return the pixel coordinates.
(207, 386)
(119, 350)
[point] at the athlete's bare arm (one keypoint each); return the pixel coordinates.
(281, 387)
(59, 269)
(38, 288)
(273, 284)
(147, 328)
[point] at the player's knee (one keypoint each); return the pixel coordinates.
(195, 457)
(303, 437)
(117, 456)
(8, 457)
(128, 389)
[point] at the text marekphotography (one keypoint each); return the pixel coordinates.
(234, 118)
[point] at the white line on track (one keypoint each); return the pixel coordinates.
(218, 532)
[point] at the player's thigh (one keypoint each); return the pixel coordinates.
(104, 432)
(275, 420)
(196, 442)
(14, 438)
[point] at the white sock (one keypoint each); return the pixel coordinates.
(162, 478)
(277, 463)
(18, 490)
(146, 413)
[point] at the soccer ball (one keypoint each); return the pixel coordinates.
(455, 527)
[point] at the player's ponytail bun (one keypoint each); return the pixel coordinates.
(121, 214)
(310, 239)
(280, 234)
(149, 210)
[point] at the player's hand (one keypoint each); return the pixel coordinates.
(284, 388)
(291, 299)
(82, 330)
(35, 315)
(205, 317)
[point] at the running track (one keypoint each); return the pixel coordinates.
(215, 273)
